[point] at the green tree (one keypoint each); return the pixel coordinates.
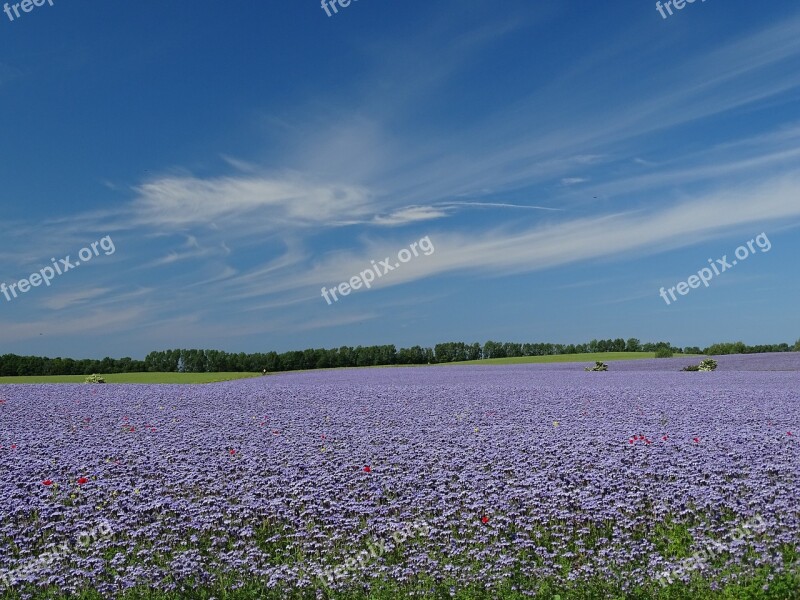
(493, 350)
(664, 352)
(633, 345)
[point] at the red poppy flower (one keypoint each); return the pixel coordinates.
(232, 451)
(13, 446)
(630, 441)
(484, 519)
(367, 469)
(82, 480)
(697, 440)
(47, 482)
(788, 433)
(133, 428)
(665, 438)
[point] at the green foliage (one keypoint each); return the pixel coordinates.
(94, 379)
(633, 345)
(171, 378)
(672, 539)
(456, 352)
(12, 365)
(598, 366)
(764, 584)
(726, 348)
(742, 348)
(708, 364)
(664, 352)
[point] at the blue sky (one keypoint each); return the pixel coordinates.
(566, 159)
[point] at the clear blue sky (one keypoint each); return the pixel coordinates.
(565, 158)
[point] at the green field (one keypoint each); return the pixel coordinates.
(134, 378)
(559, 358)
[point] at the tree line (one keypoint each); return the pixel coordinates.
(214, 361)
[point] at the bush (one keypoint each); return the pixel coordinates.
(708, 364)
(664, 352)
(94, 379)
(598, 366)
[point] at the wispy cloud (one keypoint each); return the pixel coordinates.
(410, 214)
(93, 322)
(63, 300)
(506, 250)
(180, 202)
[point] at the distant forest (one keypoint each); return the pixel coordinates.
(214, 361)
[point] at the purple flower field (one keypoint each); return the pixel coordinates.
(529, 480)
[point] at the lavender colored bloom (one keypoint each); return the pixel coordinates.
(265, 478)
